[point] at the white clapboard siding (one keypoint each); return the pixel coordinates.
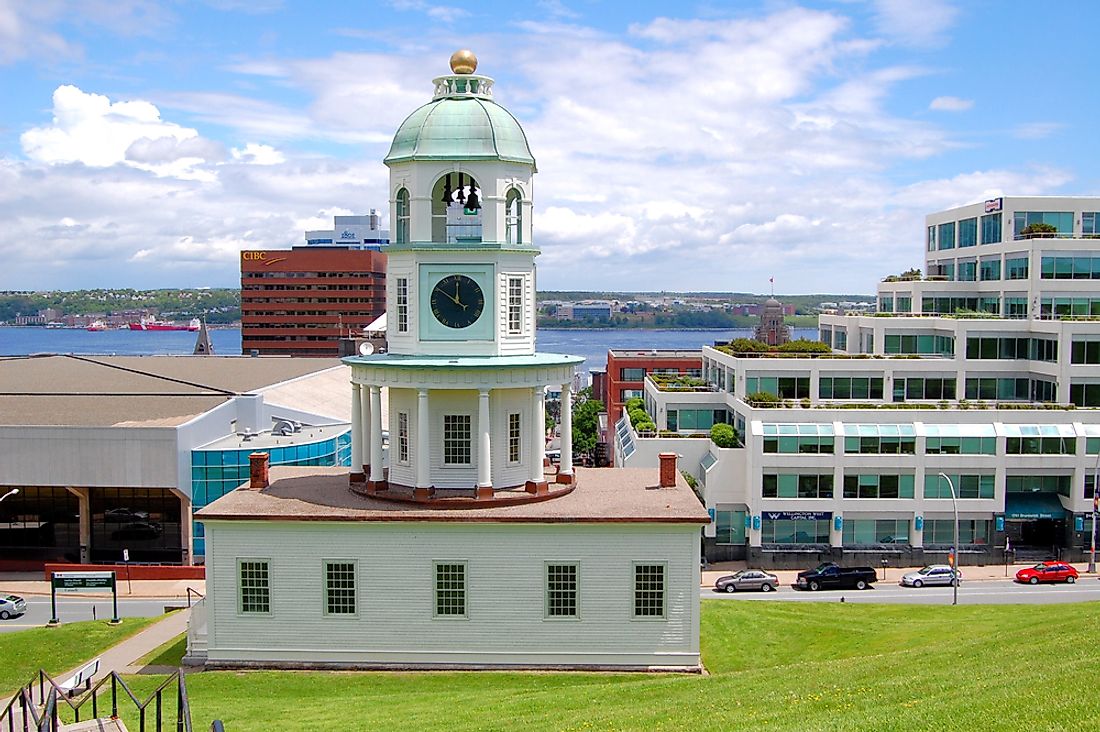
(505, 622)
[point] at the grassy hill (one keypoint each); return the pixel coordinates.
(771, 665)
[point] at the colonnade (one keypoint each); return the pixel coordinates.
(366, 438)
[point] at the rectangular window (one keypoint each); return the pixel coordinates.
(990, 269)
(1090, 223)
(402, 298)
(561, 590)
(456, 439)
(1062, 221)
(631, 374)
(513, 437)
(450, 590)
(967, 272)
(941, 532)
(878, 486)
(966, 486)
(403, 438)
(946, 234)
(797, 486)
(795, 531)
(649, 590)
(968, 232)
(991, 229)
(515, 305)
(1016, 268)
(340, 588)
(255, 585)
(869, 532)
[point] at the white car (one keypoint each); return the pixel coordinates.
(933, 574)
(11, 606)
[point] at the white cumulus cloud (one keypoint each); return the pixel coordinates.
(951, 104)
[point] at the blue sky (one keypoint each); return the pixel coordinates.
(705, 146)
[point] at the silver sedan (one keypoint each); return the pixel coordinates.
(933, 574)
(747, 579)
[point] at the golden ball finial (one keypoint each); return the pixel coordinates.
(463, 62)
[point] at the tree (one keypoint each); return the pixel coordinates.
(724, 435)
(586, 422)
(1040, 228)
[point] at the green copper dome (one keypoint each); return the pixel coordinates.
(460, 128)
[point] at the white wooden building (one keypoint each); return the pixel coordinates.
(305, 572)
(463, 549)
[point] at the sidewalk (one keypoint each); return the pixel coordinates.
(25, 584)
(890, 574)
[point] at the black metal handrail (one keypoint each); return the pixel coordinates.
(24, 703)
(196, 593)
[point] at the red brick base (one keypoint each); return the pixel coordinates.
(566, 479)
(538, 488)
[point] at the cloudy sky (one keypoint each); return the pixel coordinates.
(690, 146)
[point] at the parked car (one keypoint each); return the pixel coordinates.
(747, 579)
(830, 576)
(137, 530)
(933, 574)
(1047, 572)
(124, 515)
(11, 606)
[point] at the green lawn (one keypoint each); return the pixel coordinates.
(58, 649)
(169, 653)
(775, 666)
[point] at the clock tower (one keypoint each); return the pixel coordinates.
(464, 384)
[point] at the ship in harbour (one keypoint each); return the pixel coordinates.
(154, 324)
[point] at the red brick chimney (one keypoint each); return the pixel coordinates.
(668, 469)
(257, 474)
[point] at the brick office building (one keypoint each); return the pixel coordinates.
(626, 371)
(301, 301)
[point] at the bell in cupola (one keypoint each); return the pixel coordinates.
(472, 202)
(448, 194)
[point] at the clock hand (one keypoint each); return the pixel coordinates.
(448, 296)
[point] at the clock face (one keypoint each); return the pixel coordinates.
(457, 301)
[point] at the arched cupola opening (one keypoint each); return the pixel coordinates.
(513, 216)
(456, 209)
(401, 233)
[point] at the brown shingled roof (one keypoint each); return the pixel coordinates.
(602, 495)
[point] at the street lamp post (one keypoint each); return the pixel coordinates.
(1095, 497)
(955, 567)
(10, 493)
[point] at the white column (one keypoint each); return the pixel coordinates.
(485, 453)
(356, 430)
(368, 417)
(566, 465)
(538, 434)
(376, 434)
(423, 441)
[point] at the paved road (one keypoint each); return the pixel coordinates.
(988, 592)
(72, 608)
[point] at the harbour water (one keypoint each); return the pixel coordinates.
(592, 344)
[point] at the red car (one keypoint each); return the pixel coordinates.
(1047, 572)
